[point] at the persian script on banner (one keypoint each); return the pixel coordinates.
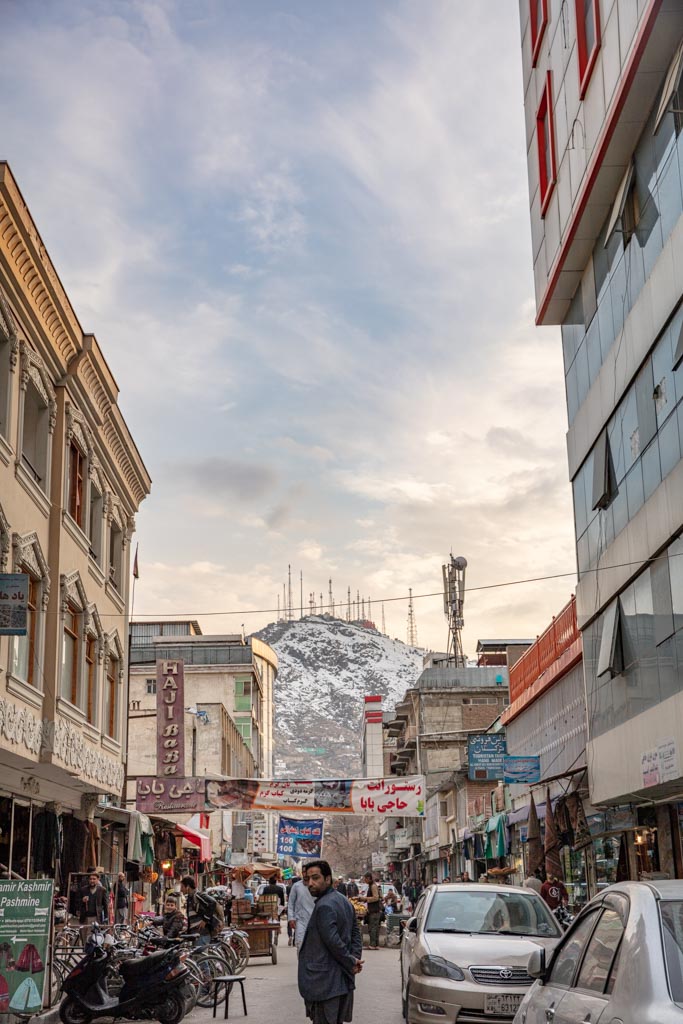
(394, 797)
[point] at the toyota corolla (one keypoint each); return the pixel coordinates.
(464, 954)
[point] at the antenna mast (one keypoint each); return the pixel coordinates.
(301, 584)
(453, 606)
(331, 601)
(412, 624)
(289, 594)
(348, 605)
(384, 625)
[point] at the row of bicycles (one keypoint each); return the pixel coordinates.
(228, 953)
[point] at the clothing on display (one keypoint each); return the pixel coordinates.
(29, 960)
(26, 997)
(4, 995)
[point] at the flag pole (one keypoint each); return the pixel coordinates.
(126, 775)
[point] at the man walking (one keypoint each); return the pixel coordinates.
(121, 900)
(299, 910)
(340, 886)
(92, 905)
(330, 955)
(373, 899)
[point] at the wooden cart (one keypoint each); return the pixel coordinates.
(262, 938)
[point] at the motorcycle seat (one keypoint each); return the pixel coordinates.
(143, 964)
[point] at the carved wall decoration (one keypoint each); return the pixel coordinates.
(21, 728)
(72, 592)
(33, 369)
(8, 330)
(78, 429)
(94, 629)
(113, 646)
(29, 557)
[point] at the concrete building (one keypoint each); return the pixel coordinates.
(372, 747)
(229, 713)
(603, 101)
(71, 480)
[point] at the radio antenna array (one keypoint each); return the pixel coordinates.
(453, 606)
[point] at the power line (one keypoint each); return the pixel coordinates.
(643, 564)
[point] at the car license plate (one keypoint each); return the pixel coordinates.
(504, 1006)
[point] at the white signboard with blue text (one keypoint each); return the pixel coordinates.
(13, 603)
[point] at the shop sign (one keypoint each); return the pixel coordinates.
(25, 906)
(172, 796)
(397, 796)
(660, 764)
(171, 719)
(13, 603)
(259, 837)
(486, 757)
(522, 769)
(401, 838)
(300, 838)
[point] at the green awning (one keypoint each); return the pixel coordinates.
(496, 840)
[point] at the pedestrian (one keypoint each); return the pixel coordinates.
(173, 921)
(534, 882)
(299, 910)
(554, 893)
(447, 880)
(483, 878)
(341, 888)
(352, 890)
(465, 877)
(205, 915)
(373, 900)
(93, 905)
(330, 955)
(121, 899)
(275, 888)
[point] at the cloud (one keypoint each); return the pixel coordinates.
(242, 481)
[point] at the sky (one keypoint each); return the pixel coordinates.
(300, 233)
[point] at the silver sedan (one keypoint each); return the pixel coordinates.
(621, 962)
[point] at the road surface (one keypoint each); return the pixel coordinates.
(273, 996)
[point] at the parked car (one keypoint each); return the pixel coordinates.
(621, 960)
(464, 953)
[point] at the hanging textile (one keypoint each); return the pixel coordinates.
(45, 841)
(622, 863)
(478, 846)
(496, 845)
(4, 995)
(577, 814)
(563, 825)
(534, 848)
(553, 865)
(74, 848)
(91, 844)
(165, 845)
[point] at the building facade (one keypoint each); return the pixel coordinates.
(71, 480)
(228, 714)
(603, 101)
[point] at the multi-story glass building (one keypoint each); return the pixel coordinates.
(604, 118)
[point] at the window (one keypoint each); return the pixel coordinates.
(76, 484)
(623, 216)
(90, 706)
(545, 139)
(611, 657)
(602, 948)
(678, 354)
(35, 434)
(569, 954)
(242, 695)
(5, 364)
(151, 685)
(95, 524)
(115, 554)
(671, 91)
(70, 655)
(110, 698)
(604, 481)
(24, 653)
(588, 39)
(538, 17)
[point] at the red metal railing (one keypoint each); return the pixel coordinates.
(558, 637)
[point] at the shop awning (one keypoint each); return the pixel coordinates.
(197, 838)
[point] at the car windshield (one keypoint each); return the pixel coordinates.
(489, 912)
(671, 912)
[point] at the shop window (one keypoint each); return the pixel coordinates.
(35, 434)
(604, 479)
(538, 18)
(95, 524)
(110, 724)
(24, 651)
(545, 141)
(671, 93)
(588, 39)
(77, 465)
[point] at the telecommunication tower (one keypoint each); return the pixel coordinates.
(453, 606)
(384, 625)
(412, 623)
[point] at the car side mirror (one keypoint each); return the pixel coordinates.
(412, 924)
(536, 965)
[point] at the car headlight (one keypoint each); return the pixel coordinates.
(437, 967)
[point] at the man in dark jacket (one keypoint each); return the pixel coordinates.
(330, 955)
(340, 886)
(92, 905)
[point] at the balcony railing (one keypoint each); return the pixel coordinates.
(558, 637)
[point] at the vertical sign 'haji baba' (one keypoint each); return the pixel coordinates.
(170, 719)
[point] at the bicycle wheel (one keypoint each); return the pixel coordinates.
(240, 949)
(209, 967)
(66, 938)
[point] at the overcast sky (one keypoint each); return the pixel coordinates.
(299, 230)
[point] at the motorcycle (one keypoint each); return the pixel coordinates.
(155, 987)
(563, 916)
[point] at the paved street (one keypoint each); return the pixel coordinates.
(273, 997)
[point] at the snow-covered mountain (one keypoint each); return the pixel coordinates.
(327, 666)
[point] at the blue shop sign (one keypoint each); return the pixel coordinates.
(486, 757)
(522, 769)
